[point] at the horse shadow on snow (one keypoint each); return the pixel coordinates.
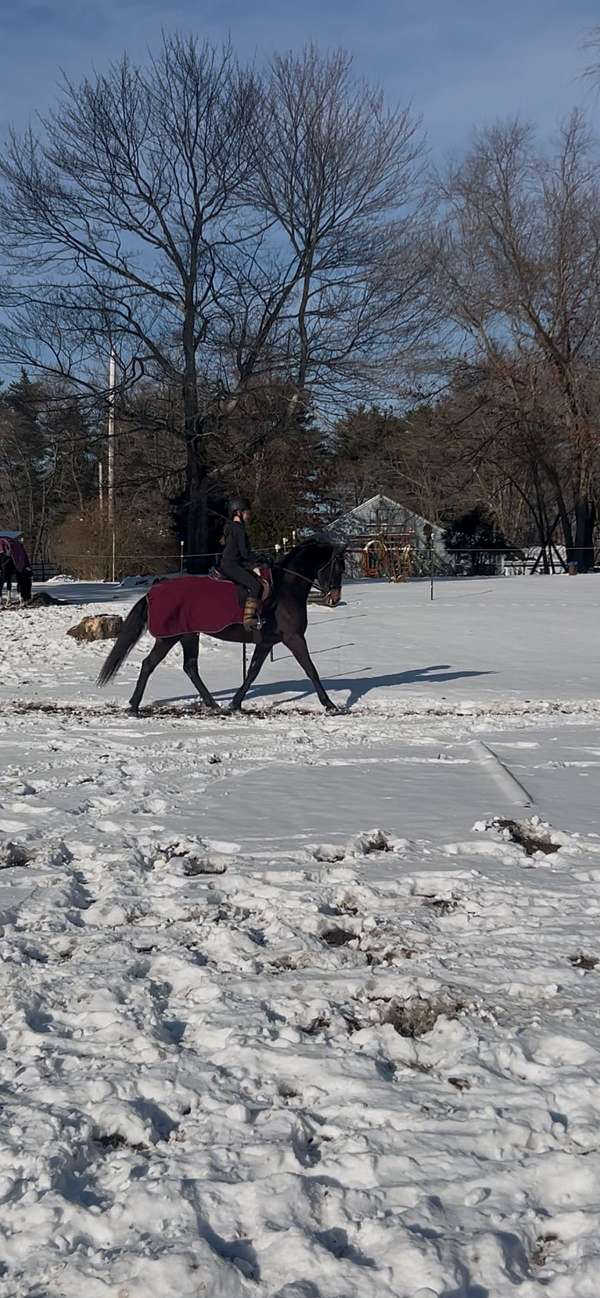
(357, 687)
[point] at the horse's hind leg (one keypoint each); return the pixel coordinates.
(190, 645)
(156, 655)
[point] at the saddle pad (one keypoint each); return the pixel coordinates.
(17, 552)
(190, 605)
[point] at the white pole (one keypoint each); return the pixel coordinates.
(111, 458)
(111, 439)
(100, 486)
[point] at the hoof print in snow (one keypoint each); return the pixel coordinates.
(545, 1248)
(285, 963)
(374, 840)
(193, 865)
(190, 857)
(387, 956)
(442, 905)
(337, 937)
(368, 843)
(582, 961)
(106, 626)
(111, 1141)
(316, 1025)
(417, 1016)
(328, 852)
(13, 854)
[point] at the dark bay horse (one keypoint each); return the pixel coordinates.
(284, 622)
(14, 566)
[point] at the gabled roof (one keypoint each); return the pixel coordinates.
(384, 506)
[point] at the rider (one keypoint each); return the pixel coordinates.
(239, 563)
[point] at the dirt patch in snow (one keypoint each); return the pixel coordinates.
(13, 854)
(583, 961)
(528, 835)
(418, 1015)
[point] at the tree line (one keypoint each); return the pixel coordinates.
(300, 307)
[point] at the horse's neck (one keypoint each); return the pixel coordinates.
(304, 575)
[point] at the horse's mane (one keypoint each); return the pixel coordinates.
(311, 543)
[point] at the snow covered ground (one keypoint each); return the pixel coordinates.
(249, 1046)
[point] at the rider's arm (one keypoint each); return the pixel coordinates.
(244, 551)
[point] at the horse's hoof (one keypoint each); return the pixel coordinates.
(135, 712)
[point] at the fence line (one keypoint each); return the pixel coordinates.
(461, 563)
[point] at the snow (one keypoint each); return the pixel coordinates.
(292, 1005)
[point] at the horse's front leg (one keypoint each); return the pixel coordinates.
(297, 645)
(258, 658)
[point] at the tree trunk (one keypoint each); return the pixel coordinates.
(196, 550)
(585, 522)
(564, 515)
(197, 558)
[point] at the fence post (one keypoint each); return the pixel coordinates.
(428, 534)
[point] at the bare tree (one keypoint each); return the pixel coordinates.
(340, 179)
(520, 272)
(213, 225)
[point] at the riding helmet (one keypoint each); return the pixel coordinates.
(238, 504)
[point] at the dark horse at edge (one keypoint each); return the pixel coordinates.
(11, 571)
(284, 615)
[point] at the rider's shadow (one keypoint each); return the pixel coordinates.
(359, 687)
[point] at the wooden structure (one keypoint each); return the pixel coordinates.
(386, 540)
(387, 557)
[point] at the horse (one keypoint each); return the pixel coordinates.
(10, 571)
(285, 620)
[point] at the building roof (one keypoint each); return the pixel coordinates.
(10, 536)
(377, 511)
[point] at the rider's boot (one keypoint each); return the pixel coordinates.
(250, 620)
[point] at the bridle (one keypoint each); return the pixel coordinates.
(317, 582)
(326, 590)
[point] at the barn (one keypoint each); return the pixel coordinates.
(385, 539)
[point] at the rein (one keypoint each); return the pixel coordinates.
(312, 581)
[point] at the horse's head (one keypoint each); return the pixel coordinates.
(330, 576)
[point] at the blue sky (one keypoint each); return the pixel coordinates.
(458, 62)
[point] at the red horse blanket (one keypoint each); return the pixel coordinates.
(188, 605)
(17, 552)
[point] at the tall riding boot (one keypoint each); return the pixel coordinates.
(250, 620)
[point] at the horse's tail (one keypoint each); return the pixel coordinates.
(128, 636)
(24, 584)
